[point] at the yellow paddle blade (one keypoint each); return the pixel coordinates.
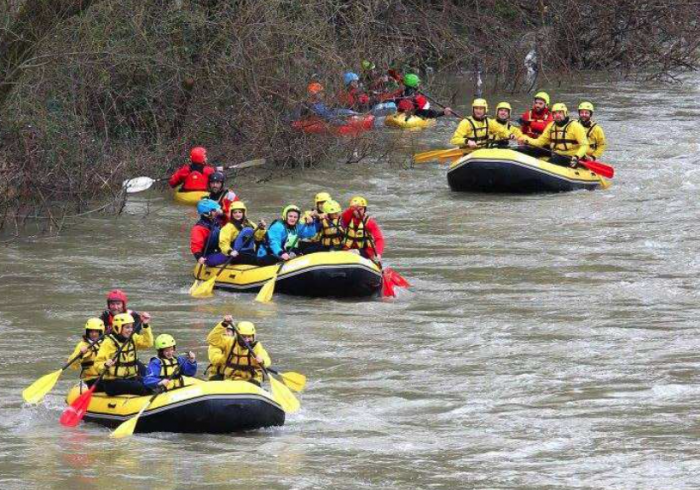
(266, 292)
(36, 392)
(284, 397)
(427, 155)
(439, 154)
(125, 429)
(204, 289)
(604, 183)
(295, 381)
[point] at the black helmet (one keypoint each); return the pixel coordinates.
(217, 177)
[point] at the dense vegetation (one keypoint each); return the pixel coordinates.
(92, 91)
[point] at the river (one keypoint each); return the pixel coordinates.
(548, 341)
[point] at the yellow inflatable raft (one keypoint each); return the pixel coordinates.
(510, 171)
(190, 198)
(202, 407)
(334, 274)
(400, 120)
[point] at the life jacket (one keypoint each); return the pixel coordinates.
(290, 243)
(126, 366)
(593, 145)
(356, 235)
(87, 361)
(331, 233)
(219, 197)
(212, 242)
(558, 136)
(506, 124)
(197, 179)
(481, 133)
(239, 364)
(536, 123)
(167, 368)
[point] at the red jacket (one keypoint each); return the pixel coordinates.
(533, 124)
(373, 231)
(353, 99)
(202, 243)
(225, 200)
(191, 180)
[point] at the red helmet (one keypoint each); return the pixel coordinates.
(198, 154)
(405, 105)
(116, 295)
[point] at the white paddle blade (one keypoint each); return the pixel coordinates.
(249, 163)
(138, 184)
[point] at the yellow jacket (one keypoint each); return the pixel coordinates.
(88, 370)
(126, 366)
(479, 131)
(229, 233)
(238, 363)
(217, 361)
(569, 140)
(508, 126)
(596, 140)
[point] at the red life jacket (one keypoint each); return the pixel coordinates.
(192, 180)
(534, 124)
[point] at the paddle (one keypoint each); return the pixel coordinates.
(140, 184)
(127, 427)
(390, 277)
(268, 289)
(599, 168)
(204, 289)
(75, 412)
(456, 114)
(36, 392)
(280, 393)
(295, 381)
(427, 156)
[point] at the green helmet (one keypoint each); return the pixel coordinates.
(331, 207)
(164, 340)
(289, 209)
(411, 80)
(368, 65)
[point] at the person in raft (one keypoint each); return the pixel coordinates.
(313, 244)
(204, 236)
(503, 111)
(412, 102)
(594, 132)
(240, 235)
(193, 176)
(534, 121)
(315, 107)
(217, 356)
(122, 372)
(477, 130)
(220, 194)
(240, 363)
(564, 136)
(353, 97)
(332, 231)
(87, 349)
(282, 238)
(362, 233)
(116, 304)
(165, 371)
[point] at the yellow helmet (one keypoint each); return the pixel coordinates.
(585, 106)
(164, 340)
(358, 201)
(95, 324)
(237, 205)
(480, 103)
(331, 207)
(542, 95)
(322, 197)
(246, 328)
(289, 209)
(503, 105)
(120, 320)
(559, 106)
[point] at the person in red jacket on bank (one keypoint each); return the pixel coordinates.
(362, 232)
(533, 122)
(193, 176)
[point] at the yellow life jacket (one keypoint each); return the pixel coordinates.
(480, 131)
(239, 364)
(355, 235)
(167, 368)
(558, 137)
(331, 233)
(507, 125)
(126, 365)
(87, 361)
(592, 144)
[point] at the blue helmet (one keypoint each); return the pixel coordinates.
(206, 206)
(350, 77)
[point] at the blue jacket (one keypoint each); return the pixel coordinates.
(277, 236)
(152, 377)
